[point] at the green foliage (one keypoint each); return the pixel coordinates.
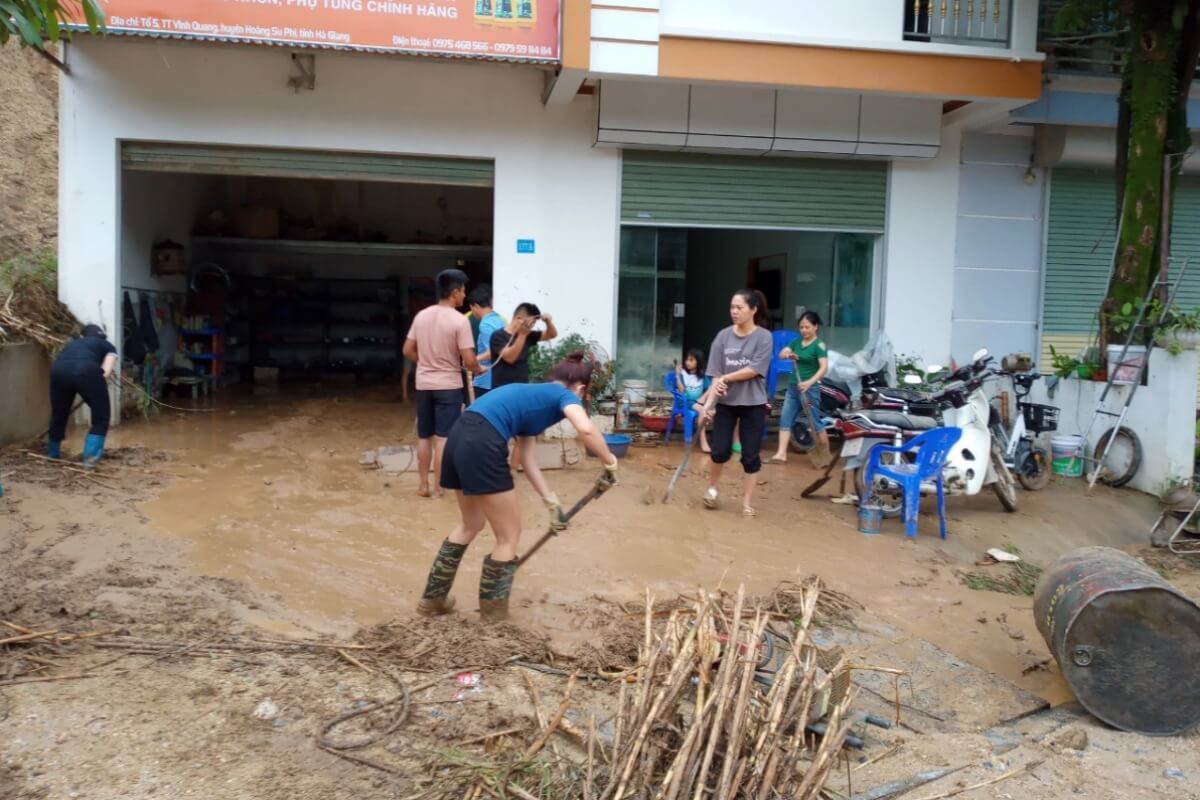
(543, 358)
(39, 267)
(35, 22)
(1064, 366)
(1018, 577)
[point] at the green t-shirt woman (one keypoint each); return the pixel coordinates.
(812, 362)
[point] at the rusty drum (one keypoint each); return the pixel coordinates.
(1127, 642)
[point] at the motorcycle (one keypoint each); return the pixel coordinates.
(974, 462)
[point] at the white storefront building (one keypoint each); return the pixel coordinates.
(390, 168)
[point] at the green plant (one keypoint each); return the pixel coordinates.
(1064, 366)
(35, 22)
(1173, 486)
(543, 358)
(40, 267)
(1018, 577)
(1122, 320)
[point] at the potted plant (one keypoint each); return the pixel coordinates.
(1064, 366)
(1179, 330)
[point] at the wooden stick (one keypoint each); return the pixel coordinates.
(591, 757)
(545, 735)
(355, 661)
(27, 637)
(16, 627)
(890, 751)
(493, 735)
(53, 678)
(327, 645)
(989, 782)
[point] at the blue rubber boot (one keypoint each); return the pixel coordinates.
(54, 448)
(93, 448)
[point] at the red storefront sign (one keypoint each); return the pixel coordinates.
(519, 30)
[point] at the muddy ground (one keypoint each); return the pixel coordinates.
(208, 533)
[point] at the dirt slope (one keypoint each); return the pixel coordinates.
(28, 153)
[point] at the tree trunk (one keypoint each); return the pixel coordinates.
(1155, 38)
(1179, 138)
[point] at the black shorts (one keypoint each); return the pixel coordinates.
(437, 411)
(475, 460)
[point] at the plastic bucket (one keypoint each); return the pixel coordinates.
(1125, 371)
(635, 393)
(869, 519)
(1066, 455)
(618, 443)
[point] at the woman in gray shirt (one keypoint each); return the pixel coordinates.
(738, 363)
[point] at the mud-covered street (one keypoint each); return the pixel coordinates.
(255, 522)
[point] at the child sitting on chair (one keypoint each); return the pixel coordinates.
(693, 385)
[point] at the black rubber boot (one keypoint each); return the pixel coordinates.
(436, 599)
(495, 586)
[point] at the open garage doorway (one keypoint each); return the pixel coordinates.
(256, 266)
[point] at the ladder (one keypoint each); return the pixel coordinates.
(1095, 464)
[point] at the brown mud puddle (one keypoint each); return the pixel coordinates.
(268, 490)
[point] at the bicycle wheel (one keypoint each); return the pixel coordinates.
(1034, 472)
(1123, 458)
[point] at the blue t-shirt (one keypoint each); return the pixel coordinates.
(524, 409)
(487, 326)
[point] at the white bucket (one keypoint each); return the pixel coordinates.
(1125, 372)
(1066, 455)
(635, 393)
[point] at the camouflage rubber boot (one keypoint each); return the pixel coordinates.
(436, 599)
(495, 585)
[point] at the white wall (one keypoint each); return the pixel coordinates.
(1163, 416)
(551, 185)
(157, 206)
(998, 256)
(862, 20)
(922, 213)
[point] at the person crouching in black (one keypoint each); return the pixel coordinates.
(82, 368)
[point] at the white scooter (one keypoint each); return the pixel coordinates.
(976, 460)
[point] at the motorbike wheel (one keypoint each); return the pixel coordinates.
(802, 440)
(891, 503)
(1034, 474)
(1005, 487)
(1123, 458)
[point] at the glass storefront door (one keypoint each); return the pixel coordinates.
(675, 284)
(650, 301)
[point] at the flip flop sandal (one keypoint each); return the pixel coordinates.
(845, 500)
(710, 499)
(748, 511)
(776, 460)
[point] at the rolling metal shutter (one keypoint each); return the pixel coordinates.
(748, 192)
(329, 165)
(1079, 247)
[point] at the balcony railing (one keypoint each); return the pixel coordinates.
(982, 23)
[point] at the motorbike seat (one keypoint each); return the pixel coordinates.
(900, 395)
(899, 419)
(841, 386)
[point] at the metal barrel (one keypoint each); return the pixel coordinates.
(1127, 642)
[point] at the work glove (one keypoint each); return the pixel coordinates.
(558, 522)
(609, 477)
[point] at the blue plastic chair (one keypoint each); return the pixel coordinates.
(779, 366)
(932, 448)
(682, 407)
